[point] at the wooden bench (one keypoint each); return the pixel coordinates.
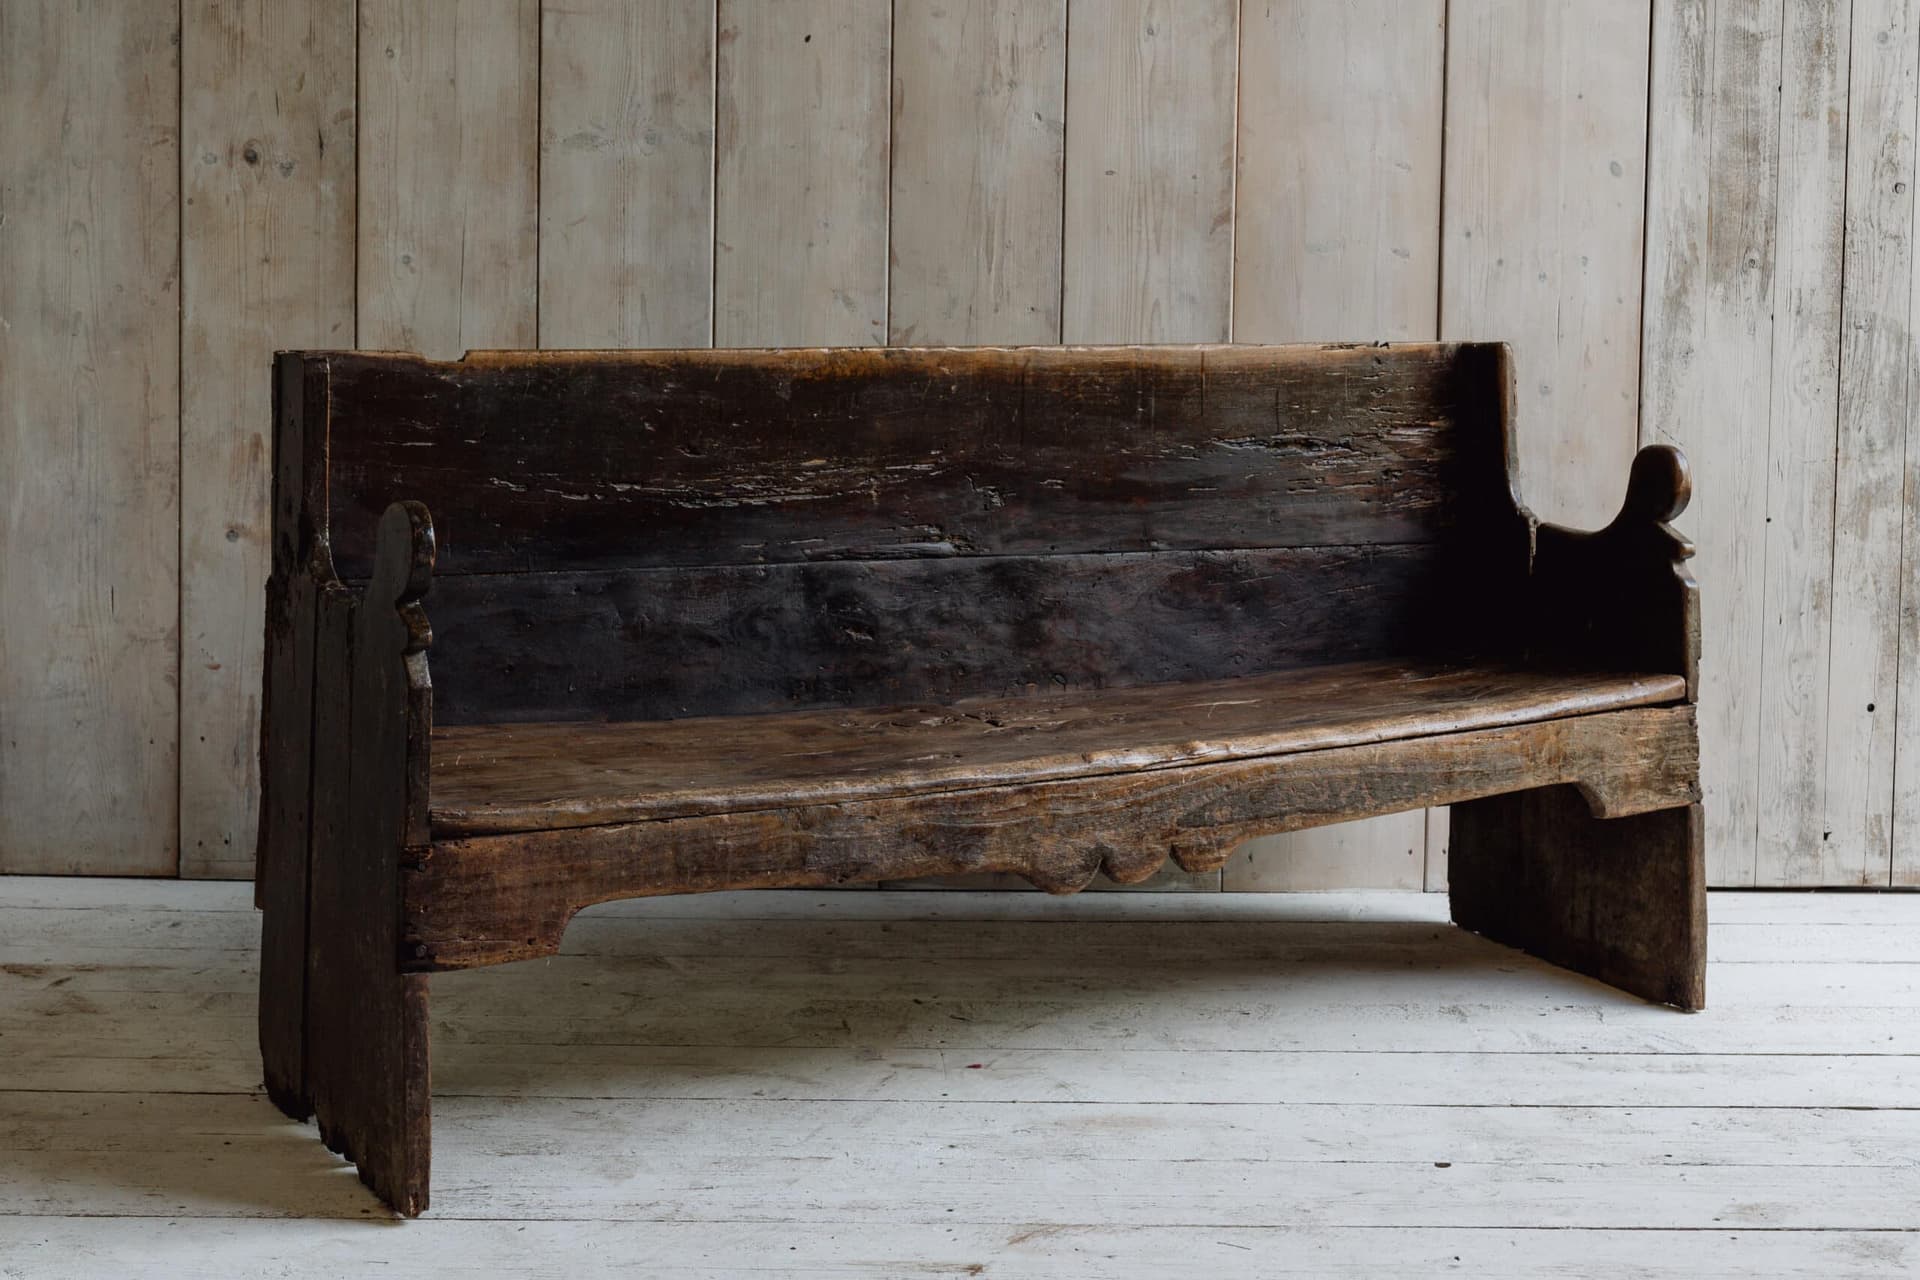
(722, 619)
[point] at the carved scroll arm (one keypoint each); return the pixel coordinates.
(1621, 598)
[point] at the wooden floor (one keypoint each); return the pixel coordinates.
(1113, 1085)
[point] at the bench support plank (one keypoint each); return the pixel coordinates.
(280, 884)
(1621, 899)
(286, 748)
(366, 1020)
(490, 899)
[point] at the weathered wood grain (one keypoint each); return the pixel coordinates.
(979, 127)
(1905, 842)
(449, 148)
(89, 438)
(564, 461)
(367, 1070)
(560, 1080)
(1151, 87)
(626, 173)
(655, 644)
(125, 1248)
(267, 252)
(1790, 752)
(1350, 1145)
(1622, 898)
(1543, 199)
(496, 778)
(490, 899)
(1707, 356)
(1855, 842)
(1338, 242)
(800, 191)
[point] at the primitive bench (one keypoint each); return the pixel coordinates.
(722, 619)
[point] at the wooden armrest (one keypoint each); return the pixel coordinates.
(1621, 598)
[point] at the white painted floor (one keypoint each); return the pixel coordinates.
(956, 1084)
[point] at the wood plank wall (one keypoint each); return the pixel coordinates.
(1694, 218)
(1779, 351)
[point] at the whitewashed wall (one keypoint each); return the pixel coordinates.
(184, 187)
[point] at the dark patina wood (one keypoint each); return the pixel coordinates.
(286, 739)
(722, 619)
(557, 460)
(366, 1020)
(1622, 900)
(653, 644)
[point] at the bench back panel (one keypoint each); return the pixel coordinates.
(651, 534)
(658, 644)
(570, 460)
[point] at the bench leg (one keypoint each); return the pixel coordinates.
(1622, 900)
(367, 1068)
(366, 1023)
(280, 888)
(283, 987)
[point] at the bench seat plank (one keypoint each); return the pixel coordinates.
(495, 779)
(1624, 839)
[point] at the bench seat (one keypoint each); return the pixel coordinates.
(500, 778)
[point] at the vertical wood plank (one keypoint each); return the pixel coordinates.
(1337, 237)
(979, 105)
(800, 192)
(1796, 612)
(1888, 334)
(1714, 175)
(1337, 233)
(1149, 170)
(626, 174)
(448, 152)
(1876, 366)
(267, 176)
(1543, 200)
(89, 437)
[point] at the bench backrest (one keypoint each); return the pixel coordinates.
(639, 535)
